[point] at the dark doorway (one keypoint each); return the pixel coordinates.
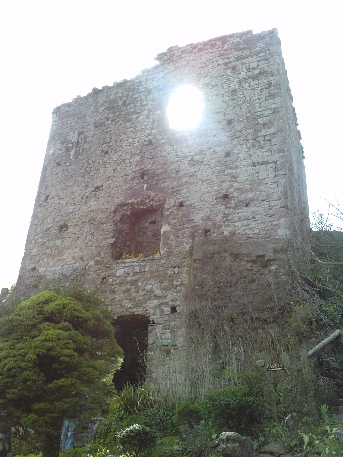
(131, 333)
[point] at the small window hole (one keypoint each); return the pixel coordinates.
(173, 309)
(207, 232)
(63, 228)
(225, 196)
(181, 205)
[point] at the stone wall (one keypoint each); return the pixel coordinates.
(116, 179)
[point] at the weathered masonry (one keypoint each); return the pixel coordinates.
(119, 182)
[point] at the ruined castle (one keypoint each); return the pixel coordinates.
(127, 204)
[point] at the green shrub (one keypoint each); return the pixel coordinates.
(106, 433)
(323, 442)
(137, 438)
(323, 437)
(129, 407)
(161, 419)
(93, 450)
(135, 399)
(188, 412)
(277, 431)
(305, 435)
(168, 446)
(196, 438)
(233, 409)
(30, 455)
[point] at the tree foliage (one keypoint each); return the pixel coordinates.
(327, 255)
(54, 351)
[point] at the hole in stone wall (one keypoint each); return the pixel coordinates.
(63, 228)
(137, 231)
(46, 198)
(79, 137)
(207, 232)
(78, 145)
(145, 231)
(181, 205)
(131, 333)
(173, 309)
(225, 196)
(227, 154)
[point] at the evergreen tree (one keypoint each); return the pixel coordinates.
(54, 351)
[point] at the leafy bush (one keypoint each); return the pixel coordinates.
(106, 433)
(68, 351)
(137, 438)
(93, 450)
(305, 435)
(233, 409)
(195, 439)
(278, 432)
(135, 399)
(322, 438)
(323, 442)
(131, 406)
(168, 446)
(30, 455)
(161, 419)
(330, 314)
(188, 412)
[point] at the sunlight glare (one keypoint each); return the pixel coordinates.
(185, 108)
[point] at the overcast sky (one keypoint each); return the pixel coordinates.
(52, 51)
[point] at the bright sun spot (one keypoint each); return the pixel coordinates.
(185, 108)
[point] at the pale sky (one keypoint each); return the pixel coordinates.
(54, 50)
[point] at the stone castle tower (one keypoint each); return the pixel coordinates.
(118, 180)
